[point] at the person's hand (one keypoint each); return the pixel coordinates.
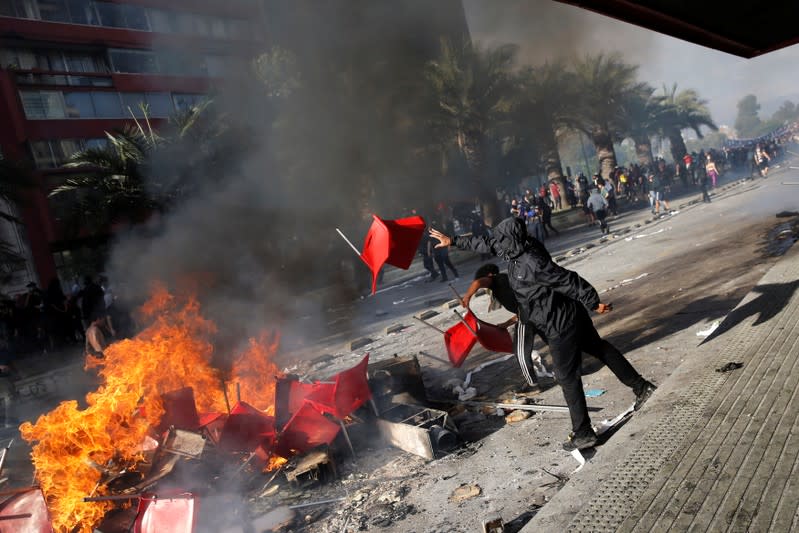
(443, 240)
(465, 302)
(604, 308)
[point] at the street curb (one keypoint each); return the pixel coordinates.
(394, 328)
(424, 315)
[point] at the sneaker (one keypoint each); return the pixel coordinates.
(643, 395)
(580, 443)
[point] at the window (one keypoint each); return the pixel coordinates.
(84, 62)
(161, 20)
(54, 10)
(63, 149)
(20, 58)
(42, 154)
(110, 14)
(135, 17)
(79, 105)
(19, 8)
(185, 22)
(135, 61)
(42, 104)
(82, 12)
(160, 104)
(107, 105)
(132, 104)
(96, 144)
(90, 81)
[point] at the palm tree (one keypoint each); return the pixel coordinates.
(474, 91)
(109, 186)
(141, 172)
(643, 111)
(680, 111)
(548, 97)
(604, 83)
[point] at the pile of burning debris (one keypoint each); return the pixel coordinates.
(164, 444)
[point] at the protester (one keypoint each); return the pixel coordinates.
(556, 302)
(598, 206)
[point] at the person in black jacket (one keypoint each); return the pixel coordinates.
(556, 301)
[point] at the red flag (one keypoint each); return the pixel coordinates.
(349, 392)
(307, 429)
(159, 514)
(391, 241)
(25, 512)
(245, 428)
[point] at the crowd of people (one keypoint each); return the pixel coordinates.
(45, 320)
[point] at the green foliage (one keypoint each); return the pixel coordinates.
(748, 122)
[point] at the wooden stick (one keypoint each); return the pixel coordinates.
(457, 314)
(238, 391)
(349, 242)
(429, 325)
(16, 516)
(224, 391)
(111, 498)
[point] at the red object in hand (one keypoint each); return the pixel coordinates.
(460, 340)
(391, 241)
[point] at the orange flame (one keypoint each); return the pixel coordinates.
(174, 351)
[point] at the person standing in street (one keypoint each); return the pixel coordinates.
(556, 302)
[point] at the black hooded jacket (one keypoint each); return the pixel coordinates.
(547, 293)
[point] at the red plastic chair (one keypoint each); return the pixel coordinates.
(461, 338)
(391, 241)
(25, 512)
(162, 514)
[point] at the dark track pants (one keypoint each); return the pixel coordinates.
(567, 351)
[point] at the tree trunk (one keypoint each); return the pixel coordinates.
(604, 151)
(678, 149)
(643, 150)
(474, 148)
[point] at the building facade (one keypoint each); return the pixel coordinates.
(71, 70)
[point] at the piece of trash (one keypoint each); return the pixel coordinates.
(594, 393)
(465, 492)
(709, 330)
(517, 416)
(399, 302)
(580, 460)
(606, 424)
(729, 367)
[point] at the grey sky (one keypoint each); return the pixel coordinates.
(544, 29)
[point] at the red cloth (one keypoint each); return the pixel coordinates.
(162, 514)
(306, 430)
(391, 241)
(179, 410)
(31, 503)
(460, 340)
(349, 391)
(245, 429)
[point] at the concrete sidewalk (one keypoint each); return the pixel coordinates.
(711, 451)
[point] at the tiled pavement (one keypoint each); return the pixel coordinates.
(726, 457)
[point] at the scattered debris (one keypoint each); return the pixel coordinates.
(517, 416)
(493, 525)
(359, 343)
(707, 332)
(465, 492)
(729, 367)
(594, 393)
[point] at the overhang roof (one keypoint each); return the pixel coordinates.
(745, 29)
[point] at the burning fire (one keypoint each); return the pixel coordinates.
(174, 351)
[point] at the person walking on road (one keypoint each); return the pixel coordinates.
(598, 206)
(556, 302)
